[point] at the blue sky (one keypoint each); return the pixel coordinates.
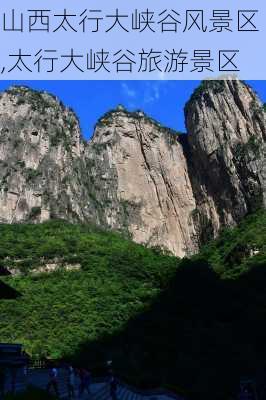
(162, 100)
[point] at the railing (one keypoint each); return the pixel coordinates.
(37, 364)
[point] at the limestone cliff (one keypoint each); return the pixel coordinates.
(141, 176)
(40, 158)
(135, 176)
(226, 127)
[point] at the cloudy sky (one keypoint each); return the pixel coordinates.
(163, 100)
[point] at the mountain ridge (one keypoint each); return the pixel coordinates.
(134, 175)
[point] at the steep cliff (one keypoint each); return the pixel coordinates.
(135, 176)
(41, 159)
(226, 127)
(141, 176)
(42, 164)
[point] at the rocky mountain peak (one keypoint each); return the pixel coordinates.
(39, 145)
(136, 163)
(226, 133)
(231, 98)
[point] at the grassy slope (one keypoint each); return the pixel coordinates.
(189, 324)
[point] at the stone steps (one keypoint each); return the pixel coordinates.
(98, 390)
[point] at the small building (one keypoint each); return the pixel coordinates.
(12, 356)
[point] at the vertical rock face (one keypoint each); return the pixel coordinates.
(226, 132)
(40, 158)
(135, 176)
(142, 180)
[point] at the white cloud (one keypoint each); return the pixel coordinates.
(144, 93)
(128, 91)
(154, 90)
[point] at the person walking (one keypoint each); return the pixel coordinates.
(25, 374)
(71, 382)
(53, 381)
(113, 386)
(87, 380)
(81, 381)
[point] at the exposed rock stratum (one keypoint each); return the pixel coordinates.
(136, 176)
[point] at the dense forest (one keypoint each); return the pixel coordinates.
(193, 325)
